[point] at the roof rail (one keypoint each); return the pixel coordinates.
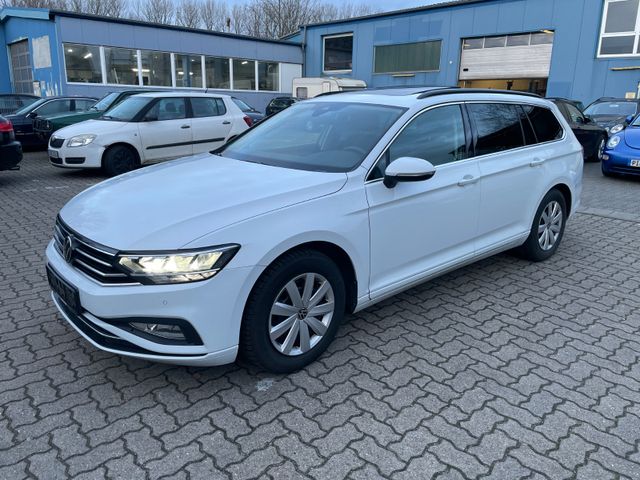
(458, 90)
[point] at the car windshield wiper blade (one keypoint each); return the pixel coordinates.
(108, 117)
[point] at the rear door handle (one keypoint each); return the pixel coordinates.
(185, 126)
(226, 122)
(536, 162)
(467, 180)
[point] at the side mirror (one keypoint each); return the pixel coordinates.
(408, 169)
(629, 119)
(32, 114)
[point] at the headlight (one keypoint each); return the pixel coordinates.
(613, 141)
(80, 140)
(177, 267)
(616, 129)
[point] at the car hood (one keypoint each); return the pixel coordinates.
(632, 137)
(98, 127)
(18, 119)
(169, 205)
(608, 120)
(80, 116)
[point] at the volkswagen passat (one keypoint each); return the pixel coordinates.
(261, 247)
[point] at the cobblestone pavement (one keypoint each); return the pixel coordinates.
(504, 369)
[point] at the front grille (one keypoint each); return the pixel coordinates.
(95, 261)
(56, 142)
(40, 124)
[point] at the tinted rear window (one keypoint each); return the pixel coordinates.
(544, 122)
(498, 127)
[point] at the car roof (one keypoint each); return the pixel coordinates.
(180, 94)
(408, 96)
(616, 99)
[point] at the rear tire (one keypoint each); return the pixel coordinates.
(547, 229)
(280, 332)
(119, 159)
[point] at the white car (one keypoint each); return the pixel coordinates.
(324, 209)
(148, 128)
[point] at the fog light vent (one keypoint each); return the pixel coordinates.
(169, 332)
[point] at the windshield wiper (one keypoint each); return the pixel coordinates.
(108, 117)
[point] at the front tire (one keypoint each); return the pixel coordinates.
(599, 151)
(293, 312)
(547, 229)
(119, 159)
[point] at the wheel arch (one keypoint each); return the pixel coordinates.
(564, 189)
(121, 144)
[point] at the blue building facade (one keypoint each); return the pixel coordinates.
(591, 47)
(51, 53)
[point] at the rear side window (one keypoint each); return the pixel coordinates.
(207, 107)
(545, 123)
(497, 126)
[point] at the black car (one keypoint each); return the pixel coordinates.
(248, 110)
(12, 102)
(613, 113)
(591, 136)
(280, 103)
(10, 149)
(23, 119)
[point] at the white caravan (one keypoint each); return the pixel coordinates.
(309, 87)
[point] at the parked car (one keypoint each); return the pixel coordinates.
(278, 104)
(148, 128)
(23, 119)
(44, 126)
(10, 148)
(333, 205)
(249, 111)
(12, 102)
(591, 136)
(613, 114)
(622, 153)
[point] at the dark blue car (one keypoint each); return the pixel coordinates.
(622, 154)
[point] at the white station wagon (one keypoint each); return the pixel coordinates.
(148, 128)
(261, 247)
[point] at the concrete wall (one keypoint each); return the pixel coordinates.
(575, 70)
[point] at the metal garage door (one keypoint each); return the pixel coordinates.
(526, 55)
(21, 74)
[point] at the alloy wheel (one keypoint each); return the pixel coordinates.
(301, 314)
(550, 225)
(601, 146)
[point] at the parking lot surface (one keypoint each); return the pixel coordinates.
(503, 369)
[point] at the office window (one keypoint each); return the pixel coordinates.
(82, 63)
(618, 31)
(407, 57)
(244, 74)
(156, 68)
(188, 70)
(498, 127)
(338, 53)
(217, 69)
(121, 65)
(268, 78)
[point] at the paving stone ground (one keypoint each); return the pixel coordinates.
(504, 369)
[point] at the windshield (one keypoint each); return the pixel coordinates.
(319, 136)
(104, 102)
(126, 110)
(618, 109)
(30, 107)
(242, 106)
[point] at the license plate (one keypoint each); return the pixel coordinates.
(635, 163)
(66, 292)
(54, 153)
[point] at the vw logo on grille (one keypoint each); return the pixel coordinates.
(68, 248)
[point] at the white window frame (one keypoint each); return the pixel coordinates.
(635, 33)
(324, 40)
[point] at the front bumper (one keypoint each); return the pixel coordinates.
(620, 163)
(89, 156)
(213, 308)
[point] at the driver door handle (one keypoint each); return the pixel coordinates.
(226, 122)
(467, 180)
(536, 162)
(185, 126)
